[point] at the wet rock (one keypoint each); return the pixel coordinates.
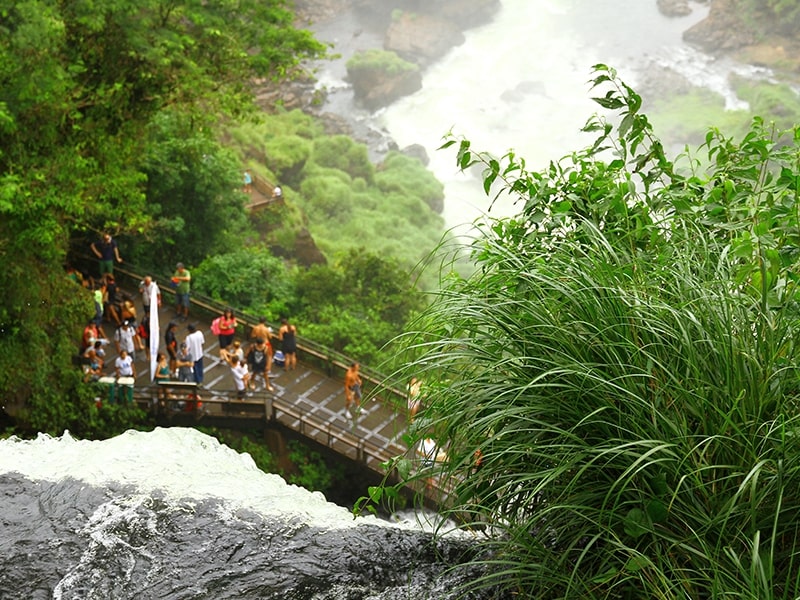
(657, 81)
(674, 8)
(417, 151)
(723, 30)
(306, 251)
(422, 39)
(523, 89)
(382, 78)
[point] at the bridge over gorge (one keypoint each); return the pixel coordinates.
(260, 193)
(308, 400)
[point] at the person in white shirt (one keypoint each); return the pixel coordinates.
(240, 375)
(125, 338)
(146, 288)
(194, 342)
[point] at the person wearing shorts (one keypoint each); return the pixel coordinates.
(183, 282)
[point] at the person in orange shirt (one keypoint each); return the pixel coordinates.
(352, 387)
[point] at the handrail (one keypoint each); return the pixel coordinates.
(329, 357)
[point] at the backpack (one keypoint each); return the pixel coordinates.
(215, 326)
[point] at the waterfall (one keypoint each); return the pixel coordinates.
(174, 514)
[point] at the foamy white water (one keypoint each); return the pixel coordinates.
(520, 82)
(178, 462)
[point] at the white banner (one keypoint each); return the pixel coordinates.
(154, 330)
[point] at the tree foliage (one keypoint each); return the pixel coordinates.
(357, 305)
(616, 386)
(80, 83)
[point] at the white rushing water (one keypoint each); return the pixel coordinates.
(179, 462)
(520, 82)
(172, 513)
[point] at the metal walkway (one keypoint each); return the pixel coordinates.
(308, 399)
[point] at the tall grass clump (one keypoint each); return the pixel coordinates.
(616, 385)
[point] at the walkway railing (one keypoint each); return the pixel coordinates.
(375, 384)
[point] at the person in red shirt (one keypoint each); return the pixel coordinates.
(227, 329)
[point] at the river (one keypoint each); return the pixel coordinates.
(174, 514)
(521, 82)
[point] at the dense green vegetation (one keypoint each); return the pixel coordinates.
(616, 387)
(82, 90)
(772, 15)
(333, 189)
(127, 118)
(686, 118)
(382, 61)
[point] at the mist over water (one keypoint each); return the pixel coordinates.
(520, 82)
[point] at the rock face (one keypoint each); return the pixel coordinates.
(306, 251)
(723, 30)
(422, 39)
(418, 31)
(674, 8)
(378, 86)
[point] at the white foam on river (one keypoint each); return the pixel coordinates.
(182, 463)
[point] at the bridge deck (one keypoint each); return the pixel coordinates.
(304, 399)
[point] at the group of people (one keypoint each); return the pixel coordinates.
(184, 361)
(256, 362)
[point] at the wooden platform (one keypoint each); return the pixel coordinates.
(306, 400)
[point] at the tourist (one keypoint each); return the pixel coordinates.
(235, 349)
(277, 193)
(240, 376)
(261, 330)
(111, 301)
(352, 388)
(195, 341)
(125, 339)
(90, 335)
(248, 182)
(171, 343)
(182, 280)
(107, 251)
(258, 360)
(143, 335)
(125, 368)
(146, 288)
(226, 325)
(127, 311)
(93, 362)
(185, 364)
(162, 375)
(124, 365)
(99, 296)
(287, 334)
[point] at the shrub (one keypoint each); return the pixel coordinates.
(617, 383)
(379, 60)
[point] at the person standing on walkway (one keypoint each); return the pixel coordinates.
(287, 334)
(248, 182)
(171, 342)
(258, 360)
(240, 376)
(352, 388)
(107, 251)
(195, 341)
(185, 364)
(262, 330)
(146, 289)
(183, 283)
(124, 367)
(125, 338)
(111, 303)
(227, 329)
